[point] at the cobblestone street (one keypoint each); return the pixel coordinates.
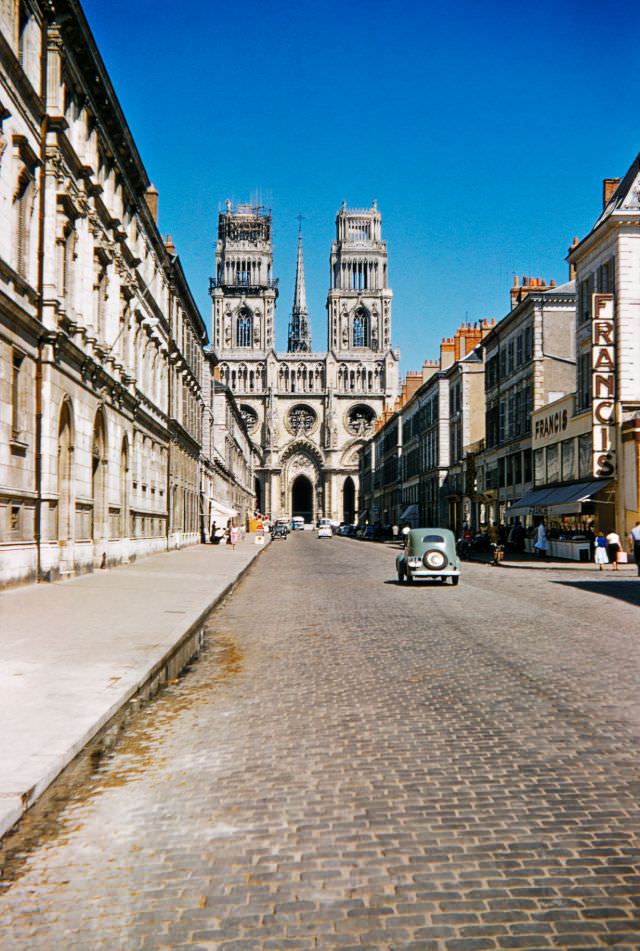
(358, 764)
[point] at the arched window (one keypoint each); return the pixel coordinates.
(244, 329)
(361, 328)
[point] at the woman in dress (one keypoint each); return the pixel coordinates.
(613, 547)
(601, 557)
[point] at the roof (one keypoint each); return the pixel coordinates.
(626, 197)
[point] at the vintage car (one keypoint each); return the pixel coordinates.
(428, 553)
(324, 528)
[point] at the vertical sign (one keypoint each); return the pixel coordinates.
(603, 391)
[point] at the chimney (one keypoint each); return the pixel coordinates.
(151, 198)
(572, 267)
(609, 186)
(447, 352)
(169, 245)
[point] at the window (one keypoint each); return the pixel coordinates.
(16, 409)
(361, 328)
(23, 201)
(568, 460)
(584, 381)
(243, 329)
(584, 455)
(553, 463)
(585, 292)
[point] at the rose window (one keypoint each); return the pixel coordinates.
(301, 420)
(250, 417)
(360, 420)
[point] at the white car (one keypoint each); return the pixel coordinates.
(324, 531)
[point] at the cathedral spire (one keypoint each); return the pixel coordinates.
(299, 330)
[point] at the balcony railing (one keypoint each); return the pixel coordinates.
(242, 285)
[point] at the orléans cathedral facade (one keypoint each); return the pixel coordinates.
(309, 412)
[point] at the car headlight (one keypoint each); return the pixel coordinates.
(434, 559)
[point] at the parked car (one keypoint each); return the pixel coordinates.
(324, 531)
(429, 553)
(279, 531)
(297, 523)
(370, 533)
(348, 531)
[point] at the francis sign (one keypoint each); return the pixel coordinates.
(603, 364)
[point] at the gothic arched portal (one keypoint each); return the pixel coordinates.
(302, 498)
(349, 501)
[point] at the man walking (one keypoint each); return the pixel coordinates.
(634, 538)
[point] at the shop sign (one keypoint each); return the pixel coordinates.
(552, 423)
(603, 364)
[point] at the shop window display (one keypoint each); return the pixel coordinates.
(569, 468)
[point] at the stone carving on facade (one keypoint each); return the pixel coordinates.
(300, 463)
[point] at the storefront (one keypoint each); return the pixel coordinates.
(573, 504)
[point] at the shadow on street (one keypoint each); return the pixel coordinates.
(627, 589)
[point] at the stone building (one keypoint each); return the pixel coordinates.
(607, 273)
(414, 470)
(101, 344)
(529, 362)
(309, 411)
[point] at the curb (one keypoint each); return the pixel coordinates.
(103, 733)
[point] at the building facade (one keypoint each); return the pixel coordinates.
(529, 362)
(102, 405)
(607, 271)
(415, 470)
(309, 412)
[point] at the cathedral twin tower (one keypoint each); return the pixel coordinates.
(308, 412)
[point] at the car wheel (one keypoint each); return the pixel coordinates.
(400, 576)
(409, 578)
(455, 579)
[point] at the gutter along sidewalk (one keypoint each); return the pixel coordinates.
(73, 653)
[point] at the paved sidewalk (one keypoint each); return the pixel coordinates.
(73, 653)
(527, 560)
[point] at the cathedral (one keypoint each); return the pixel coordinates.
(308, 412)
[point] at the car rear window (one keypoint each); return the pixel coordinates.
(432, 538)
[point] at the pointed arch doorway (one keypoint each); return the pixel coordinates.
(349, 501)
(302, 498)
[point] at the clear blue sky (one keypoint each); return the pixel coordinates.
(484, 131)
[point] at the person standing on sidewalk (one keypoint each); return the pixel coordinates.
(634, 539)
(601, 557)
(613, 547)
(233, 537)
(541, 544)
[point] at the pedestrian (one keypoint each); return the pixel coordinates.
(634, 539)
(541, 543)
(213, 533)
(613, 547)
(233, 536)
(601, 557)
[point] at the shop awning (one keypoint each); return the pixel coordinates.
(557, 499)
(220, 514)
(411, 512)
